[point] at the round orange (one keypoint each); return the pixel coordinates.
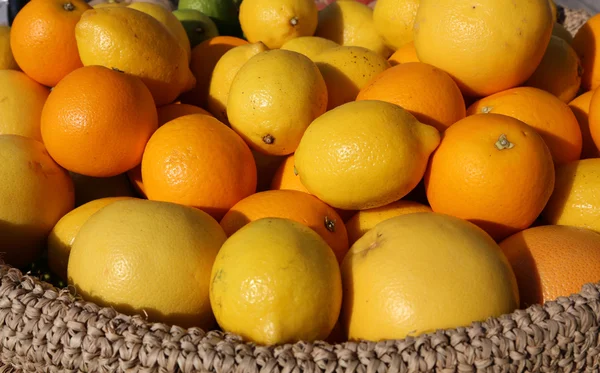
(42, 39)
(547, 114)
(286, 176)
(195, 160)
(404, 54)
(580, 106)
(169, 112)
(425, 91)
(594, 117)
(552, 261)
(586, 43)
(291, 204)
(492, 170)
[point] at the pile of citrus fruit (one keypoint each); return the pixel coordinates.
(287, 171)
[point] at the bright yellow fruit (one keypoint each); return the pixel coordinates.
(148, 257)
(21, 103)
(274, 22)
(553, 10)
(63, 234)
(487, 46)
(35, 194)
(223, 74)
(310, 46)
(364, 154)
(415, 273)
(7, 61)
(576, 197)
(134, 42)
(273, 98)
(276, 281)
(350, 23)
(394, 20)
(347, 70)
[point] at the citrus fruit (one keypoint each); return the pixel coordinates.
(497, 163)
(39, 193)
(286, 176)
(291, 204)
(225, 70)
(310, 46)
(594, 117)
(406, 53)
(425, 91)
(62, 236)
(276, 281)
(560, 31)
(197, 25)
(266, 166)
(394, 20)
(169, 112)
(7, 60)
(346, 70)
(552, 261)
(364, 154)
(89, 188)
(586, 43)
(543, 111)
(274, 22)
(128, 40)
(575, 200)
(21, 104)
(224, 13)
(580, 106)
(508, 47)
(196, 160)
(350, 23)
(155, 262)
(96, 121)
(273, 98)
(416, 273)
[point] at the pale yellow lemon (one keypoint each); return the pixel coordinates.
(394, 20)
(7, 60)
(364, 154)
(276, 281)
(310, 46)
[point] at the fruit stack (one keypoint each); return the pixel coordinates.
(239, 185)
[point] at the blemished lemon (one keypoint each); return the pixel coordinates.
(7, 60)
(394, 20)
(310, 46)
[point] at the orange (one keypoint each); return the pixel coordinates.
(169, 112)
(581, 108)
(286, 176)
(547, 114)
(42, 39)
(492, 170)
(96, 121)
(586, 43)
(195, 160)
(291, 204)
(552, 261)
(425, 91)
(204, 59)
(594, 117)
(404, 54)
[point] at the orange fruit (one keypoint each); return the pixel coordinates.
(594, 117)
(586, 43)
(425, 91)
(286, 176)
(204, 59)
(552, 261)
(42, 39)
(547, 114)
(581, 108)
(291, 204)
(169, 112)
(195, 160)
(96, 121)
(404, 54)
(492, 170)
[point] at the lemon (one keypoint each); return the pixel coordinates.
(169, 20)
(351, 23)
(7, 61)
(310, 46)
(273, 98)
(225, 70)
(64, 232)
(128, 40)
(420, 272)
(276, 21)
(364, 154)
(394, 20)
(346, 70)
(276, 281)
(148, 257)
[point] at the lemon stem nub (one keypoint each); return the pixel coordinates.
(268, 139)
(294, 21)
(503, 143)
(69, 7)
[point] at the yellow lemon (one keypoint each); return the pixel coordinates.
(350, 23)
(310, 46)
(416, 273)
(128, 40)
(486, 46)
(276, 21)
(347, 70)
(21, 102)
(63, 234)
(273, 98)
(364, 154)
(553, 10)
(575, 200)
(404, 54)
(560, 31)
(150, 258)
(394, 20)
(276, 281)
(225, 70)
(7, 61)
